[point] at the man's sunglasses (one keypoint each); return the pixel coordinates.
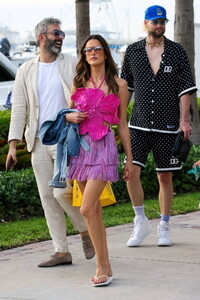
(96, 49)
(160, 22)
(56, 33)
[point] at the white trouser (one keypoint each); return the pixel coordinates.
(54, 201)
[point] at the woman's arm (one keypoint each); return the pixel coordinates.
(75, 117)
(123, 127)
(71, 104)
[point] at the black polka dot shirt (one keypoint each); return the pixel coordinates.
(156, 97)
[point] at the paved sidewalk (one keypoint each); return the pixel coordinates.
(146, 272)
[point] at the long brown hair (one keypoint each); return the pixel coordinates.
(83, 70)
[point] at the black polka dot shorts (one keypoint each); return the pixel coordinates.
(161, 144)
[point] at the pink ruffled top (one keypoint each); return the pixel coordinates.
(100, 108)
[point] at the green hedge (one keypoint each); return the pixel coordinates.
(4, 124)
(23, 156)
(198, 103)
(19, 198)
(182, 182)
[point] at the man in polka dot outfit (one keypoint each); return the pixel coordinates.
(157, 70)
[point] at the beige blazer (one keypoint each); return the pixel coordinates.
(25, 104)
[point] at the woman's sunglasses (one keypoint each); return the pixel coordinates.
(96, 49)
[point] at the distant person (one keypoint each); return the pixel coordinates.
(195, 170)
(197, 163)
(42, 88)
(5, 47)
(8, 103)
(157, 70)
(101, 98)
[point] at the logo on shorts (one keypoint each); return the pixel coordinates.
(174, 161)
(170, 126)
(167, 69)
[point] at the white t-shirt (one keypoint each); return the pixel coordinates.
(50, 91)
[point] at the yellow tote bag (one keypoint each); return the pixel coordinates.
(107, 197)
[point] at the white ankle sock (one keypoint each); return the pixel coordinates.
(139, 210)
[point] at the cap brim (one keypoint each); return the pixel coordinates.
(155, 18)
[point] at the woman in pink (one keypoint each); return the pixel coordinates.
(100, 96)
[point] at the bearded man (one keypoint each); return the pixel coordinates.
(42, 88)
(157, 70)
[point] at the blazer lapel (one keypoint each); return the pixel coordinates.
(34, 82)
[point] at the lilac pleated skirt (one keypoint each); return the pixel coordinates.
(100, 162)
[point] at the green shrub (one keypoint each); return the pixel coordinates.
(4, 124)
(198, 103)
(19, 198)
(182, 182)
(24, 157)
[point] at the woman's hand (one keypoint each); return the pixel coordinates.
(76, 117)
(128, 171)
(197, 163)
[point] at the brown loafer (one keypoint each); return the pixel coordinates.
(56, 260)
(88, 247)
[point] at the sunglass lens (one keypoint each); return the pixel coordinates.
(58, 33)
(156, 22)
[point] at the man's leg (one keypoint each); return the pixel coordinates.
(165, 200)
(135, 189)
(64, 197)
(165, 192)
(43, 170)
(43, 165)
(166, 163)
(140, 149)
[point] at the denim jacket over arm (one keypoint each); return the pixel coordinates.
(66, 136)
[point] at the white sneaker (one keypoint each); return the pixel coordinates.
(163, 234)
(142, 228)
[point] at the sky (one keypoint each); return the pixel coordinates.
(122, 16)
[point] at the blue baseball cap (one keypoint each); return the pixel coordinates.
(155, 12)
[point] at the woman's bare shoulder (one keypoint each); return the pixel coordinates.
(121, 82)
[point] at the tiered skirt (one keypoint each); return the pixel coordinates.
(100, 162)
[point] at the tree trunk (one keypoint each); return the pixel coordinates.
(184, 34)
(82, 22)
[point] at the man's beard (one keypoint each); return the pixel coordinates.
(50, 47)
(156, 34)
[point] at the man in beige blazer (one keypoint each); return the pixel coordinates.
(42, 88)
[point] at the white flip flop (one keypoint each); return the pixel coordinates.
(107, 282)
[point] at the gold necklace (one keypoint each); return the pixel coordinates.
(154, 44)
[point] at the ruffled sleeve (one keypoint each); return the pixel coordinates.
(100, 108)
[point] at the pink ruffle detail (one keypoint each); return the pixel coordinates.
(100, 107)
(101, 172)
(101, 162)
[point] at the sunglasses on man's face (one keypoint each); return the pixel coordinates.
(160, 22)
(56, 33)
(96, 49)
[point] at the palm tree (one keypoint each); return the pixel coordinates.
(82, 22)
(184, 34)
